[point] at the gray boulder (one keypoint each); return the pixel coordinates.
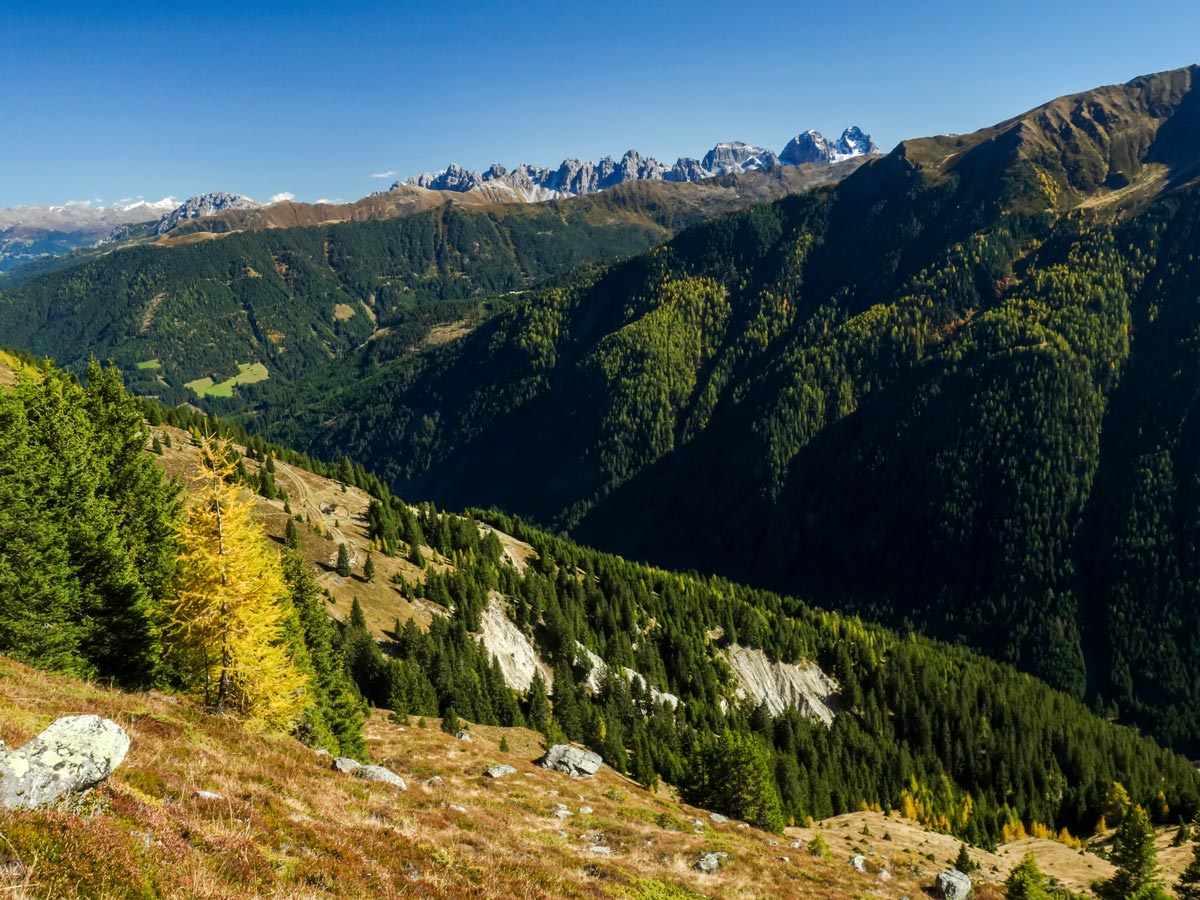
(379, 773)
(500, 771)
(464, 736)
(859, 863)
(574, 761)
(710, 862)
(718, 819)
(73, 754)
(345, 764)
(952, 885)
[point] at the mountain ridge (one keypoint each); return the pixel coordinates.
(573, 177)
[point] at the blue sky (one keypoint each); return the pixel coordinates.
(115, 100)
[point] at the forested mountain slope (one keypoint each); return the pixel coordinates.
(952, 391)
(960, 743)
(258, 288)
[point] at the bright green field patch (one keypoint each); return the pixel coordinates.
(149, 364)
(248, 373)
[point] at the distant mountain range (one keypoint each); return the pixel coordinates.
(32, 233)
(573, 177)
(28, 233)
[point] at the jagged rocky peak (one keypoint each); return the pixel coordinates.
(573, 177)
(733, 158)
(814, 147)
(202, 205)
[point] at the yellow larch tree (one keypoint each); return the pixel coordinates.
(230, 604)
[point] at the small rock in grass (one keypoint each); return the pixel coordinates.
(710, 862)
(379, 773)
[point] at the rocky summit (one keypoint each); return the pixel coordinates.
(203, 205)
(574, 177)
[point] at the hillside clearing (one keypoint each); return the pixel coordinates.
(248, 373)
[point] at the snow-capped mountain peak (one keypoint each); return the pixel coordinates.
(573, 177)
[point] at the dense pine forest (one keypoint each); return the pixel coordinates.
(958, 742)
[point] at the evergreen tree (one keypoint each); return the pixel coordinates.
(1025, 881)
(732, 774)
(369, 569)
(537, 708)
(1188, 886)
(227, 609)
(336, 712)
(343, 561)
(1135, 857)
(291, 539)
(963, 861)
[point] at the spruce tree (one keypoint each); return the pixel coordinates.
(537, 710)
(227, 608)
(1188, 886)
(343, 561)
(369, 568)
(291, 539)
(1134, 855)
(1025, 881)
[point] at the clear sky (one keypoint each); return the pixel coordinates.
(111, 100)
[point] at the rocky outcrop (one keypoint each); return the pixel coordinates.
(75, 753)
(952, 885)
(345, 764)
(597, 667)
(514, 651)
(380, 774)
(203, 205)
(573, 177)
(783, 686)
(574, 761)
(500, 771)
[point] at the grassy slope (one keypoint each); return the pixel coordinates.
(287, 826)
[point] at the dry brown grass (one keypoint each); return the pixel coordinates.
(288, 826)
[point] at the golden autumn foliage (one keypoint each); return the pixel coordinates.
(230, 604)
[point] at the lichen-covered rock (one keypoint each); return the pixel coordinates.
(500, 771)
(345, 764)
(952, 885)
(379, 773)
(710, 862)
(574, 761)
(73, 754)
